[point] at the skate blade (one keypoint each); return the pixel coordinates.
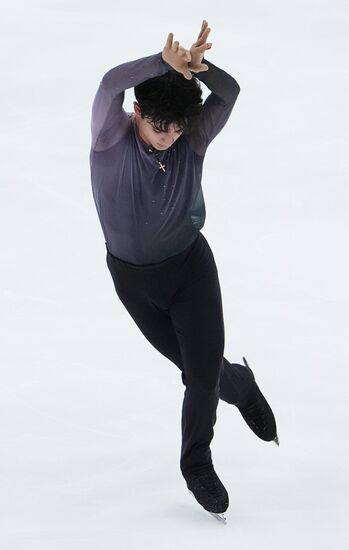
(219, 516)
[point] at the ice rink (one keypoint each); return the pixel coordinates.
(89, 411)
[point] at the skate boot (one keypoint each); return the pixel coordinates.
(204, 484)
(258, 414)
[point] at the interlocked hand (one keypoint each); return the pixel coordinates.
(198, 49)
(177, 56)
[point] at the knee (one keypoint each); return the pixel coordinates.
(204, 380)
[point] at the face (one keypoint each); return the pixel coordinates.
(151, 135)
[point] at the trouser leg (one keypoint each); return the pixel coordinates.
(157, 326)
(197, 317)
(191, 334)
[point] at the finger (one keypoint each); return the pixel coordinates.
(201, 33)
(203, 26)
(169, 40)
(204, 47)
(206, 32)
(187, 74)
(175, 46)
(184, 53)
(201, 30)
(204, 36)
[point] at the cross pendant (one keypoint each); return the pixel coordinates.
(162, 167)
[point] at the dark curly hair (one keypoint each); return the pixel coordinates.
(170, 98)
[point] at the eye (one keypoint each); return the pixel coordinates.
(155, 129)
(159, 131)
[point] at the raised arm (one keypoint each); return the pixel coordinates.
(216, 108)
(219, 104)
(109, 119)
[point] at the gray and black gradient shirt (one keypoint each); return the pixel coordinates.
(147, 214)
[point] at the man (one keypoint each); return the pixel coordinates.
(146, 170)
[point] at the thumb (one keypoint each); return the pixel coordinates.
(187, 74)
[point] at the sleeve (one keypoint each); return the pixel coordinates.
(216, 108)
(109, 119)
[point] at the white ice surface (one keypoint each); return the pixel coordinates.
(89, 410)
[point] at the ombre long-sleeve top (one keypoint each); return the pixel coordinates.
(147, 214)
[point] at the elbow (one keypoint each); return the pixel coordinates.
(233, 94)
(236, 88)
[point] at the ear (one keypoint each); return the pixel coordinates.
(137, 108)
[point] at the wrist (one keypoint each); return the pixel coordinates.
(165, 62)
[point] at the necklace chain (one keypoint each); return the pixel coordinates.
(161, 166)
(151, 150)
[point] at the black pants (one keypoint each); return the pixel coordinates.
(177, 305)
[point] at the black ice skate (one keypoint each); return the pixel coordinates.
(258, 414)
(204, 484)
